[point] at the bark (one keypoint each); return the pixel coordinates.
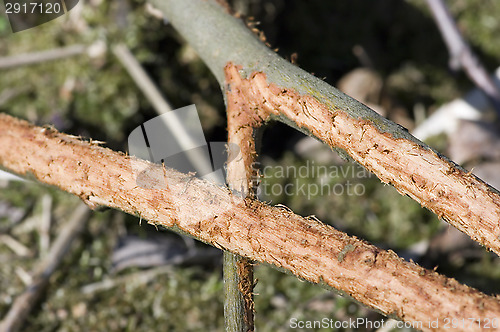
(305, 247)
(269, 85)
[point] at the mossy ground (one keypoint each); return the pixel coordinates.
(95, 97)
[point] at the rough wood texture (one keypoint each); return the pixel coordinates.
(241, 177)
(309, 249)
(436, 183)
(274, 86)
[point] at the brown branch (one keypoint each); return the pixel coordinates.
(436, 183)
(308, 248)
(274, 86)
(241, 177)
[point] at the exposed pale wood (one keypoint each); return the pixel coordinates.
(436, 183)
(241, 176)
(274, 86)
(238, 308)
(307, 248)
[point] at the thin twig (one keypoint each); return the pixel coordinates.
(461, 55)
(44, 225)
(25, 302)
(17, 247)
(141, 78)
(42, 56)
(135, 278)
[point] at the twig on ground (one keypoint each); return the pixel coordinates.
(44, 225)
(41, 56)
(461, 55)
(136, 278)
(14, 245)
(141, 78)
(25, 302)
(162, 106)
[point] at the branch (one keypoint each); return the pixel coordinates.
(41, 56)
(238, 271)
(305, 247)
(268, 84)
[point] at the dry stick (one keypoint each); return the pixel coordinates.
(25, 302)
(45, 224)
(270, 84)
(135, 278)
(42, 56)
(141, 78)
(305, 247)
(461, 55)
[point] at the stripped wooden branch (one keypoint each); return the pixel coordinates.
(241, 177)
(272, 86)
(307, 248)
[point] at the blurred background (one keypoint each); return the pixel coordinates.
(123, 276)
